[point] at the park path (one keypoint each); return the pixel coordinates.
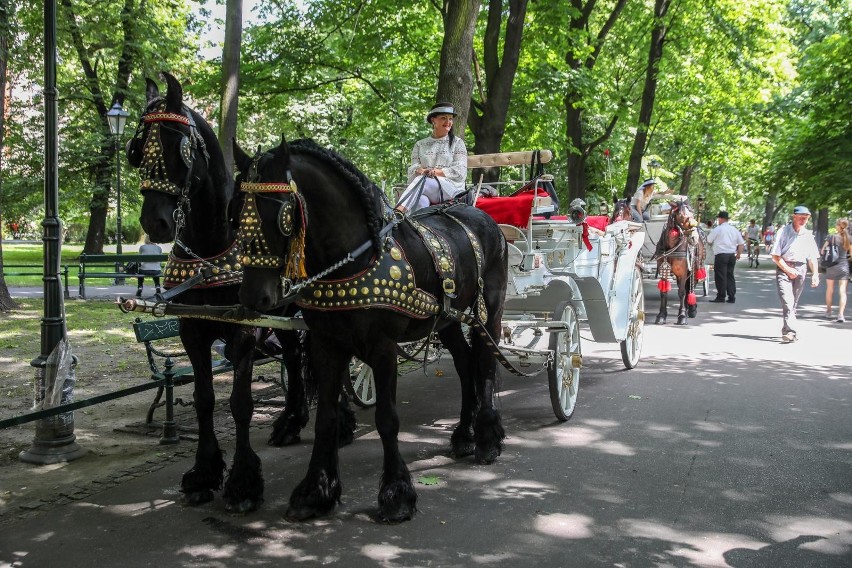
(723, 447)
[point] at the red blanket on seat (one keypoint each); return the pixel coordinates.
(514, 210)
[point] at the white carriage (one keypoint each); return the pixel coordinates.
(562, 274)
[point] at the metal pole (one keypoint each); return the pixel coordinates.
(51, 444)
(118, 234)
(119, 267)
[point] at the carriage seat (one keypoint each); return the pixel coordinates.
(515, 210)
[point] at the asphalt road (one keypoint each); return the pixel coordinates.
(722, 448)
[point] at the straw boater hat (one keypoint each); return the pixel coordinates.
(440, 108)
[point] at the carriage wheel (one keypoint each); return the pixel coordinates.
(631, 347)
(563, 375)
(361, 386)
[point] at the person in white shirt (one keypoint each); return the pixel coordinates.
(639, 201)
(438, 167)
(152, 269)
(753, 236)
(728, 245)
(793, 251)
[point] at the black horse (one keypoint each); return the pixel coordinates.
(187, 191)
(680, 253)
(366, 281)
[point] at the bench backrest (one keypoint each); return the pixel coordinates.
(500, 159)
(152, 330)
(121, 258)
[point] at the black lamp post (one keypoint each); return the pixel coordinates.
(117, 118)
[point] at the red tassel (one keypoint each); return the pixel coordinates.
(664, 285)
(691, 299)
(701, 274)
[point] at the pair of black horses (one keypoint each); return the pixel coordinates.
(302, 228)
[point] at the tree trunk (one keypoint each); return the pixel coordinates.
(103, 162)
(649, 92)
(577, 150)
(686, 179)
(455, 80)
(99, 205)
(231, 78)
(487, 119)
(6, 301)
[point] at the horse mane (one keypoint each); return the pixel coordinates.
(216, 165)
(367, 190)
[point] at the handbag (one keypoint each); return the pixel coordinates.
(830, 255)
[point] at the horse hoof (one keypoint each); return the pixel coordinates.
(461, 449)
(397, 502)
(298, 514)
(681, 320)
(661, 321)
(281, 439)
(462, 443)
(486, 456)
(244, 506)
(196, 498)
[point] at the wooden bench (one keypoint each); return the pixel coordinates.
(170, 364)
(112, 266)
(35, 270)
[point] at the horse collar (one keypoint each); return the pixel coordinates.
(387, 283)
(220, 270)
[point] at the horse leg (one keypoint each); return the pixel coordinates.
(488, 429)
(664, 312)
(320, 490)
(207, 472)
(397, 497)
(288, 425)
(691, 309)
(462, 442)
(681, 295)
(243, 490)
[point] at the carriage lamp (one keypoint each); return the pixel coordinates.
(117, 118)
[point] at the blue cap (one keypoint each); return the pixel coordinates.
(801, 210)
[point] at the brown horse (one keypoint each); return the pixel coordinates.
(680, 253)
(621, 211)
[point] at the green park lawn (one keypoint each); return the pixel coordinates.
(32, 255)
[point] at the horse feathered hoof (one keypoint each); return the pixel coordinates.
(243, 507)
(489, 436)
(285, 432)
(462, 443)
(397, 502)
(313, 498)
(660, 320)
(681, 320)
(692, 311)
(196, 498)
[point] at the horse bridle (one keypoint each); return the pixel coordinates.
(153, 165)
(255, 250)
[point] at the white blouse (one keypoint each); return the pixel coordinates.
(436, 153)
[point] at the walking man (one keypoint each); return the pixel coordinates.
(793, 251)
(728, 245)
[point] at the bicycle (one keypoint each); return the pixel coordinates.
(753, 253)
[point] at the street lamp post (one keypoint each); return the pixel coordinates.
(117, 118)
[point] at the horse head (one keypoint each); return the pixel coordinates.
(621, 211)
(682, 216)
(272, 225)
(172, 149)
(345, 208)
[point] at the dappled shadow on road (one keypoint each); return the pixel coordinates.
(687, 460)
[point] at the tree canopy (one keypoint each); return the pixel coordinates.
(745, 103)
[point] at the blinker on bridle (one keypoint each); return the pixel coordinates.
(153, 165)
(255, 251)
